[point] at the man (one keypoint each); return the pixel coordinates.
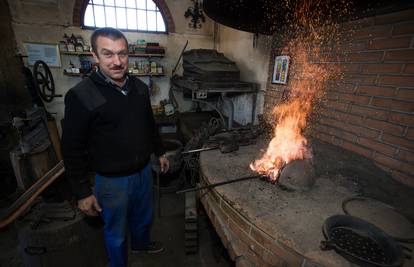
(109, 126)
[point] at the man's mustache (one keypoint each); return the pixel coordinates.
(117, 68)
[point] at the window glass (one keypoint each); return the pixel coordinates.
(142, 20)
(132, 19)
(120, 3)
(110, 17)
(89, 17)
(121, 18)
(150, 5)
(152, 21)
(141, 15)
(99, 16)
(130, 3)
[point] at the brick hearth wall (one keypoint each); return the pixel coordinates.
(247, 244)
(371, 110)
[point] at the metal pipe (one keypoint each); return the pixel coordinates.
(199, 150)
(251, 177)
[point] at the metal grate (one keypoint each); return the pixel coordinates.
(359, 245)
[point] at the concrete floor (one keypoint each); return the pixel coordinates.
(168, 228)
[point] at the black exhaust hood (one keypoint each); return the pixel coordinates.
(257, 16)
(270, 16)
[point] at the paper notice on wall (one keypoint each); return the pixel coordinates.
(49, 53)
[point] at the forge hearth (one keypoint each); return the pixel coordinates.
(263, 225)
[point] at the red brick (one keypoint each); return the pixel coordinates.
(360, 79)
(400, 55)
(358, 130)
(340, 87)
(389, 43)
(358, 99)
(357, 149)
(365, 57)
(388, 161)
(369, 112)
(406, 28)
(409, 68)
(406, 155)
(236, 217)
(410, 133)
(394, 17)
(343, 117)
(383, 126)
(243, 236)
(324, 137)
(400, 141)
(372, 32)
(403, 178)
(381, 68)
(354, 46)
(338, 133)
(375, 90)
(350, 68)
(336, 105)
(276, 248)
(377, 146)
(406, 94)
(393, 104)
(401, 118)
(403, 81)
(337, 141)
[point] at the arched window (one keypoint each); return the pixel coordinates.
(135, 15)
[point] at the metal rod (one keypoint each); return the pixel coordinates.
(178, 61)
(199, 150)
(220, 183)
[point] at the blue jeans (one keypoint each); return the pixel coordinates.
(126, 202)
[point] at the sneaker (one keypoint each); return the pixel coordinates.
(152, 248)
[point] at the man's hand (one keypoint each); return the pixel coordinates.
(89, 206)
(164, 164)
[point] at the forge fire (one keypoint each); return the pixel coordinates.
(304, 46)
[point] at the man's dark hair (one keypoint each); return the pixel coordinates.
(108, 32)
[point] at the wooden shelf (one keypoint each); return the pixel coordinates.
(73, 74)
(90, 54)
(147, 74)
(138, 74)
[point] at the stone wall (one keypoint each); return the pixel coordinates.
(12, 93)
(371, 109)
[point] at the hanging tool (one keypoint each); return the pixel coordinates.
(178, 61)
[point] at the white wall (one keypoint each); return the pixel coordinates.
(253, 63)
(46, 21)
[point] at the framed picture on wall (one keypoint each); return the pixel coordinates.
(281, 69)
(49, 53)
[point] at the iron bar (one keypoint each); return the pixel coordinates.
(251, 177)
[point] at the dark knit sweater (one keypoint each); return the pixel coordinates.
(114, 137)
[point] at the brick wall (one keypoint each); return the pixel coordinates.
(370, 110)
(247, 244)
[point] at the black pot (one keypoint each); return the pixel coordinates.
(356, 239)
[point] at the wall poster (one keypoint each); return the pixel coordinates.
(49, 53)
(280, 70)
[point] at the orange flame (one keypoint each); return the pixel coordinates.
(307, 85)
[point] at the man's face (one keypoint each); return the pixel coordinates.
(112, 57)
